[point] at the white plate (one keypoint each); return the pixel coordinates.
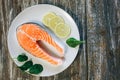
(35, 13)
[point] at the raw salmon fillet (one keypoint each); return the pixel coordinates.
(29, 34)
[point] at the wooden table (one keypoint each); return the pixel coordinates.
(99, 25)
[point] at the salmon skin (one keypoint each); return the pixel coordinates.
(28, 34)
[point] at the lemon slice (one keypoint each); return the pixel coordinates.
(54, 21)
(57, 24)
(47, 18)
(62, 30)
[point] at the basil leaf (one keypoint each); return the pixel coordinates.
(26, 65)
(72, 42)
(36, 69)
(22, 58)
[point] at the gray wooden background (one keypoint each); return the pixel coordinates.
(99, 25)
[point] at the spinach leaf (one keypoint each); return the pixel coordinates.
(22, 58)
(36, 69)
(26, 65)
(72, 42)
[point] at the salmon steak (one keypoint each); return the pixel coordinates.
(28, 36)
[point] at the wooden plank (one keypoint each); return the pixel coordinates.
(113, 53)
(102, 50)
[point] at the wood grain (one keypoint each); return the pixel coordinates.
(99, 25)
(102, 20)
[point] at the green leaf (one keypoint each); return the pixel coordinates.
(22, 58)
(26, 65)
(72, 42)
(36, 69)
